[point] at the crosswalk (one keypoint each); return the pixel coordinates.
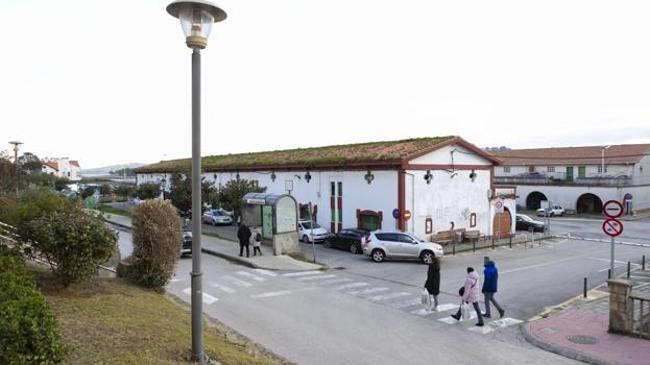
(248, 282)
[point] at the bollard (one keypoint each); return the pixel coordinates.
(609, 274)
(493, 244)
(628, 269)
(643, 263)
(584, 291)
(474, 246)
(453, 249)
(510, 242)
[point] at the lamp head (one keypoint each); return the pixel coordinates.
(196, 18)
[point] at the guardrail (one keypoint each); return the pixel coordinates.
(578, 181)
(640, 315)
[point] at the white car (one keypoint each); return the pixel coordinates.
(305, 232)
(554, 211)
(380, 245)
(215, 217)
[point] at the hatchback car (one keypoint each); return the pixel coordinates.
(186, 242)
(350, 239)
(380, 245)
(215, 217)
(525, 223)
(305, 232)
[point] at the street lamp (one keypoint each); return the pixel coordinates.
(16, 145)
(602, 160)
(196, 18)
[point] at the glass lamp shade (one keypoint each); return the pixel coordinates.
(195, 21)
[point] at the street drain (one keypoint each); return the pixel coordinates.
(583, 340)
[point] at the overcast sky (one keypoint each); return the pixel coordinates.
(108, 82)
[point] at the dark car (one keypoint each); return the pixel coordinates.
(524, 223)
(348, 239)
(186, 243)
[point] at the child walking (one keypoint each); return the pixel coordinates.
(257, 243)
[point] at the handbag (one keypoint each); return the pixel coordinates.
(465, 311)
(461, 291)
(425, 298)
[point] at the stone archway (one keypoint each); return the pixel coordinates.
(589, 203)
(534, 199)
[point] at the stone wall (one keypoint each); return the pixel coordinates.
(620, 306)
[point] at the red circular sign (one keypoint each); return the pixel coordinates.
(407, 214)
(612, 227)
(613, 209)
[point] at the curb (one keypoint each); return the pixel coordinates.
(559, 350)
(231, 258)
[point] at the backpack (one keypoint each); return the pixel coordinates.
(258, 237)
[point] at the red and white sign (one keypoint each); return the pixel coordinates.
(612, 227)
(613, 209)
(407, 215)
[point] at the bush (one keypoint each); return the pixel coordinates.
(61, 183)
(148, 191)
(28, 330)
(74, 243)
(156, 243)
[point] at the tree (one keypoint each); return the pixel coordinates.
(88, 191)
(156, 243)
(148, 191)
(181, 193)
(30, 163)
(105, 189)
(231, 194)
(61, 183)
(74, 243)
(125, 190)
(8, 173)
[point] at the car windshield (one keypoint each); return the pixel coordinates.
(526, 218)
(307, 225)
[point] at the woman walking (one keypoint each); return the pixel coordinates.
(470, 294)
(433, 283)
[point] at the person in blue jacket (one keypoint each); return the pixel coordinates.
(490, 279)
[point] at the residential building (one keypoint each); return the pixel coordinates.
(441, 182)
(578, 178)
(62, 167)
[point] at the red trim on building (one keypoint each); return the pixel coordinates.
(459, 141)
(401, 198)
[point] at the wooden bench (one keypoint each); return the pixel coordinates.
(473, 235)
(447, 237)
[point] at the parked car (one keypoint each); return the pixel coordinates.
(320, 234)
(215, 217)
(524, 222)
(186, 241)
(350, 239)
(553, 211)
(380, 245)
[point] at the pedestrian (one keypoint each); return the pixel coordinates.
(490, 278)
(257, 242)
(433, 283)
(244, 235)
(470, 294)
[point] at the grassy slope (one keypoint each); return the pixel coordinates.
(112, 210)
(109, 321)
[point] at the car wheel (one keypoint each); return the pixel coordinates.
(378, 255)
(327, 244)
(354, 249)
(305, 239)
(427, 257)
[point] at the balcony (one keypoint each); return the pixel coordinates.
(540, 179)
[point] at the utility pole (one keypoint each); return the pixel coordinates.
(16, 146)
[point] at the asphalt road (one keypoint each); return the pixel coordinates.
(633, 231)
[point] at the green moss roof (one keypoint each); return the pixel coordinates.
(388, 151)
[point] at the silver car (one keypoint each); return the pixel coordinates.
(215, 217)
(381, 245)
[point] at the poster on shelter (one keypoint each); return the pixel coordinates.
(285, 215)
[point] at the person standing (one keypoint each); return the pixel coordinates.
(490, 279)
(470, 294)
(433, 283)
(257, 242)
(244, 235)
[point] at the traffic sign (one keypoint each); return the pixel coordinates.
(407, 215)
(498, 206)
(396, 213)
(612, 227)
(613, 209)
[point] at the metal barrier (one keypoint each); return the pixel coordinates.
(640, 306)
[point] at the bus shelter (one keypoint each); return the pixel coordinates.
(276, 215)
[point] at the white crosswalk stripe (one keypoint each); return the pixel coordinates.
(406, 303)
(302, 273)
(447, 307)
(335, 281)
(377, 298)
(320, 277)
(207, 298)
(223, 288)
(271, 294)
(350, 286)
(251, 276)
(422, 312)
(265, 272)
(238, 282)
(367, 291)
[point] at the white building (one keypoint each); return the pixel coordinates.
(63, 168)
(579, 178)
(440, 181)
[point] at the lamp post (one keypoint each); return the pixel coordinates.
(602, 160)
(196, 18)
(16, 146)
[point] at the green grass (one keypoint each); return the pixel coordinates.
(110, 321)
(113, 210)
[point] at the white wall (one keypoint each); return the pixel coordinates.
(442, 156)
(567, 196)
(642, 171)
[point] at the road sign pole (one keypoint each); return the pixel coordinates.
(611, 259)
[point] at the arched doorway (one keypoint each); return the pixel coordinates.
(501, 224)
(534, 199)
(589, 203)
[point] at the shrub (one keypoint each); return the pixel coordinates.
(148, 191)
(28, 330)
(74, 243)
(156, 243)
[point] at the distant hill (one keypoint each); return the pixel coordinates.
(107, 169)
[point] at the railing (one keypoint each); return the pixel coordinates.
(550, 180)
(640, 308)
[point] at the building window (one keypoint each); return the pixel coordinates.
(369, 219)
(531, 168)
(600, 169)
(472, 220)
(506, 169)
(550, 169)
(428, 226)
(582, 172)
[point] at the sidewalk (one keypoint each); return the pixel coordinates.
(579, 331)
(230, 251)
(517, 239)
